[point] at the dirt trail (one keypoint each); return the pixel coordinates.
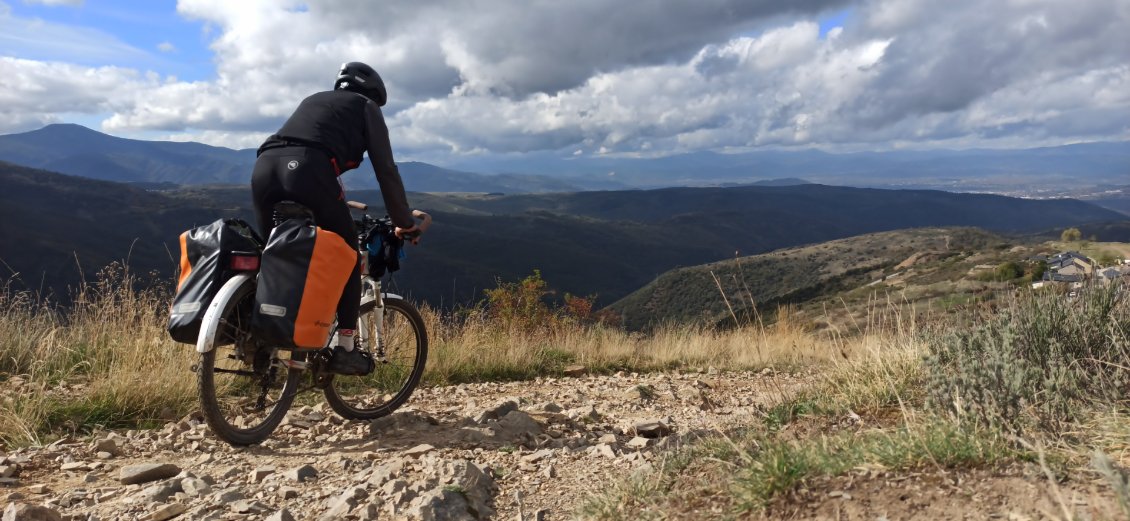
(515, 451)
(521, 450)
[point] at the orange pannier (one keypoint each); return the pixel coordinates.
(302, 275)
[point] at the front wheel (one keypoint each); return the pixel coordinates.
(245, 389)
(400, 352)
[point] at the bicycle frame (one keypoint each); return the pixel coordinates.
(371, 288)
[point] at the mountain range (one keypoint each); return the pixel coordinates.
(56, 230)
(1039, 172)
(80, 151)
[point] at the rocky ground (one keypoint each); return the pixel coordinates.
(522, 450)
(516, 451)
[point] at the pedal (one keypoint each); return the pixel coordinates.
(321, 378)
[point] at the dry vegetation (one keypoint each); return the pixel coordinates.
(107, 361)
(1040, 371)
(1040, 383)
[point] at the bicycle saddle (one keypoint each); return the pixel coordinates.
(291, 210)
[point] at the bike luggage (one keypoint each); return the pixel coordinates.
(301, 278)
(205, 253)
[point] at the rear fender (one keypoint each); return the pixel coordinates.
(206, 341)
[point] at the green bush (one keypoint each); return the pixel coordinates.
(1009, 270)
(1037, 363)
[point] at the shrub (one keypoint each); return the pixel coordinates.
(1009, 270)
(1036, 363)
(523, 306)
(520, 305)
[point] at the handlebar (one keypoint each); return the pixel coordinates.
(367, 222)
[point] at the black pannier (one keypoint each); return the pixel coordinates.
(205, 254)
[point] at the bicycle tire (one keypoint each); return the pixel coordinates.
(221, 410)
(363, 397)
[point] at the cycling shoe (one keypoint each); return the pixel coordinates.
(350, 363)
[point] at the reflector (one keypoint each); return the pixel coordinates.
(244, 262)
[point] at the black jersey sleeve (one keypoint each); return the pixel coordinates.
(388, 176)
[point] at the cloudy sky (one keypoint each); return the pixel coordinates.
(583, 77)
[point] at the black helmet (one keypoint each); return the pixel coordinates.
(362, 79)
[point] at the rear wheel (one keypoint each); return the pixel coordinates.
(245, 390)
(400, 356)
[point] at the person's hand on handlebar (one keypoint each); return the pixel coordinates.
(412, 233)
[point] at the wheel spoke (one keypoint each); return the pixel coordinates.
(403, 343)
(244, 392)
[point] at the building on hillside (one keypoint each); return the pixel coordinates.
(1069, 268)
(1067, 259)
(1109, 275)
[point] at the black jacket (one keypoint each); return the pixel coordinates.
(344, 125)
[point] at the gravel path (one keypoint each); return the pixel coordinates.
(520, 450)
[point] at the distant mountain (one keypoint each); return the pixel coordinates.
(424, 177)
(80, 151)
(784, 181)
(751, 217)
(605, 243)
(1047, 168)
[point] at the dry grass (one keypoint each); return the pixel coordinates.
(107, 361)
(477, 348)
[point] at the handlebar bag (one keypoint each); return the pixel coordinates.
(204, 268)
(384, 254)
(301, 278)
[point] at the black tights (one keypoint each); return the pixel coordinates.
(306, 176)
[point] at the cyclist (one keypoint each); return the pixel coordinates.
(302, 162)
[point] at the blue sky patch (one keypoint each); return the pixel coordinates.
(146, 35)
(834, 20)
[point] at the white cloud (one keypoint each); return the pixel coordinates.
(599, 76)
(33, 93)
(231, 139)
(166, 47)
